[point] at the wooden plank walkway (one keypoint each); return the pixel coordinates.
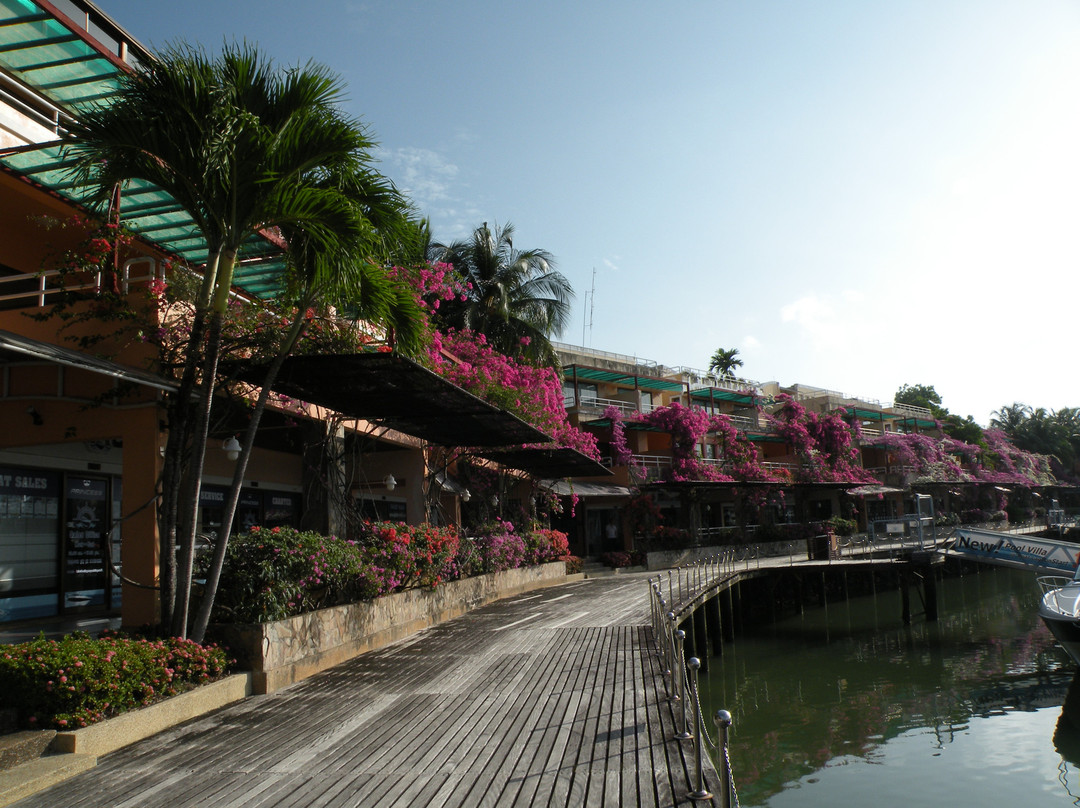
(551, 698)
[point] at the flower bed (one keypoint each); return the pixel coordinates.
(272, 574)
(285, 651)
(293, 603)
(78, 680)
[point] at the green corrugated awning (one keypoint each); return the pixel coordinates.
(872, 415)
(919, 422)
(629, 423)
(761, 437)
(716, 394)
(59, 62)
(154, 216)
(616, 377)
(47, 55)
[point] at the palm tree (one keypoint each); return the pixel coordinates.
(517, 300)
(724, 361)
(241, 147)
(344, 276)
(1010, 418)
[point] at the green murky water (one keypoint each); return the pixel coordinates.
(845, 706)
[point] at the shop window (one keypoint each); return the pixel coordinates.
(29, 543)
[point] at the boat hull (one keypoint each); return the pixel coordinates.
(1060, 610)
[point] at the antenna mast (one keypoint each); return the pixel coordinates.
(592, 303)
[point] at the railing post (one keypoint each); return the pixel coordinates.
(700, 793)
(722, 719)
(672, 661)
(680, 661)
(664, 640)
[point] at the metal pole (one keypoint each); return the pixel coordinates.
(672, 662)
(680, 638)
(701, 793)
(722, 719)
(664, 639)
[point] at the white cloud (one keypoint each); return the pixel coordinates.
(611, 265)
(423, 175)
(750, 343)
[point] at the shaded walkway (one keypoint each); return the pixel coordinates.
(549, 698)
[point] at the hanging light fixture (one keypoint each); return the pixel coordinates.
(389, 482)
(231, 447)
(466, 496)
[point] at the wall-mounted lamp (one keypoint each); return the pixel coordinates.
(35, 416)
(390, 482)
(495, 500)
(231, 447)
(465, 497)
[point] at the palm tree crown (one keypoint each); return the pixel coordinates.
(724, 361)
(516, 299)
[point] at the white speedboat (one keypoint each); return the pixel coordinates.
(1060, 610)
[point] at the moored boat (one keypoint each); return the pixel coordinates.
(1059, 608)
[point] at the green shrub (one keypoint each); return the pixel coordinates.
(841, 526)
(271, 574)
(75, 681)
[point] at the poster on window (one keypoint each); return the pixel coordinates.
(86, 524)
(282, 509)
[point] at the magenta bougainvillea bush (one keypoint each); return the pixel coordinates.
(688, 427)
(824, 443)
(945, 459)
(533, 393)
(827, 447)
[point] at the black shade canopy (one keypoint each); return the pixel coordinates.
(398, 393)
(543, 461)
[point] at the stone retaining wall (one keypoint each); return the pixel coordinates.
(293, 649)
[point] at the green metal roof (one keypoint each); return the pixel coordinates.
(52, 58)
(616, 377)
(872, 415)
(761, 437)
(630, 424)
(920, 422)
(60, 63)
(155, 217)
(716, 394)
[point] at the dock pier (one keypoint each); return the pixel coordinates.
(551, 698)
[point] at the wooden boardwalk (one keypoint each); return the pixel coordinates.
(551, 698)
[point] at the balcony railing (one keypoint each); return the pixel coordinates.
(911, 409)
(42, 291)
(601, 404)
(579, 350)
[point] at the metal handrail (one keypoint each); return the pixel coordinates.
(685, 583)
(597, 403)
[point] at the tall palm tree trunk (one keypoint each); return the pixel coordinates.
(189, 507)
(176, 445)
(213, 575)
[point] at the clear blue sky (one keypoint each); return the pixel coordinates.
(856, 195)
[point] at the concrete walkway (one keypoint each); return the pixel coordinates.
(550, 698)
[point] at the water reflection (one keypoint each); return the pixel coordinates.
(838, 686)
(1067, 741)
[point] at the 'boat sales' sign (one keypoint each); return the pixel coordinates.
(1016, 551)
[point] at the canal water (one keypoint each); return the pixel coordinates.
(843, 705)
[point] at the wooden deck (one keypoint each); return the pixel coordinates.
(551, 698)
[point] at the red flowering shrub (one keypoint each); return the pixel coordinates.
(78, 680)
(274, 573)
